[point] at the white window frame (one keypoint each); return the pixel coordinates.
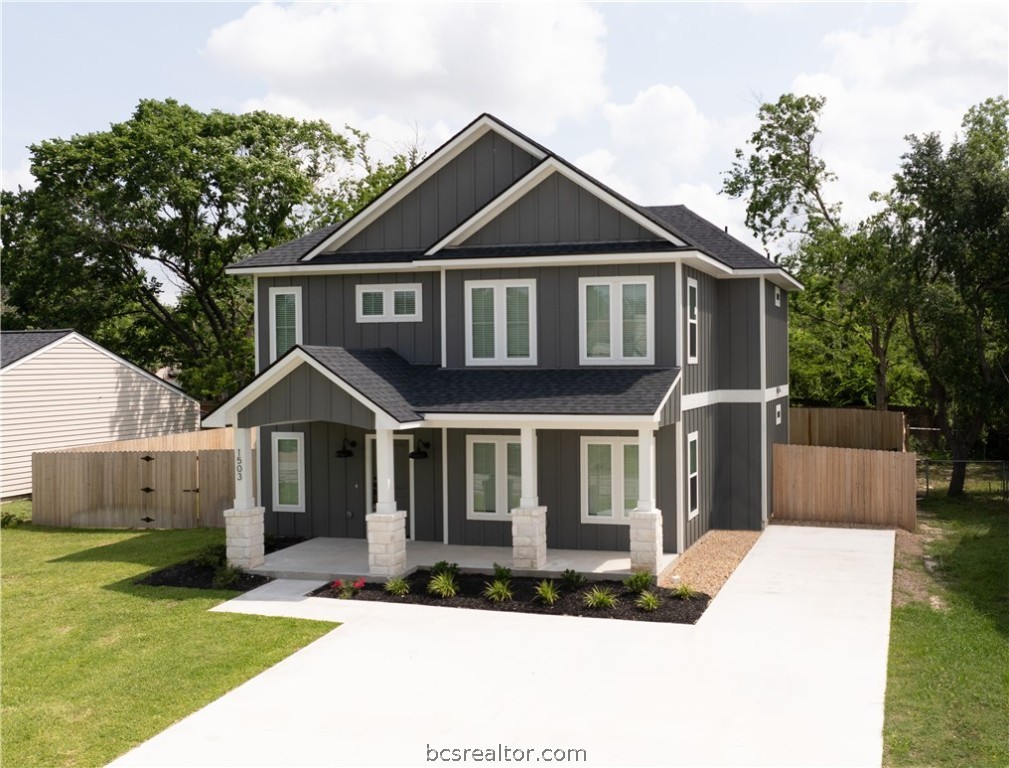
(777, 414)
(388, 303)
(624, 515)
(501, 442)
(617, 320)
(287, 290)
(777, 296)
(693, 437)
(275, 438)
(500, 322)
(692, 285)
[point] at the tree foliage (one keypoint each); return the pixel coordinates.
(176, 195)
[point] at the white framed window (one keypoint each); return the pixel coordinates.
(609, 485)
(777, 296)
(616, 319)
(693, 501)
(691, 320)
(389, 303)
(493, 476)
(777, 414)
(500, 322)
(285, 319)
(288, 456)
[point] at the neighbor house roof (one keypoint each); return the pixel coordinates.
(17, 344)
(409, 392)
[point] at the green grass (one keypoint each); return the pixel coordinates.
(947, 699)
(92, 665)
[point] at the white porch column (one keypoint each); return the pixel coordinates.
(646, 520)
(386, 525)
(243, 523)
(529, 519)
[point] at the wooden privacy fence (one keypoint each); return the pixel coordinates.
(132, 489)
(847, 428)
(844, 485)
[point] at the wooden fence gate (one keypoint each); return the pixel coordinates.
(132, 489)
(844, 485)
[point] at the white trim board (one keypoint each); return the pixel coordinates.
(537, 420)
(716, 396)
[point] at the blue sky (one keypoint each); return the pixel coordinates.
(652, 98)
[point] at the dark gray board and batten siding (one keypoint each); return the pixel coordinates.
(557, 316)
(305, 395)
(777, 337)
(737, 490)
(559, 211)
(467, 183)
(329, 315)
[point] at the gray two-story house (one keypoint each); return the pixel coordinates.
(500, 350)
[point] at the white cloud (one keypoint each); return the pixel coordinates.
(423, 63)
(12, 178)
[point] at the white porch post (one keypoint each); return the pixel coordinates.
(386, 525)
(529, 519)
(243, 523)
(646, 520)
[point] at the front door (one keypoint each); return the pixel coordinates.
(403, 468)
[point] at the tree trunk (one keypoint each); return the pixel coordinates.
(956, 480)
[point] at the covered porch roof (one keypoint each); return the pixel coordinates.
(376, 388)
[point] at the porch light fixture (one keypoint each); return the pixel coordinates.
(420, 452)
(345, 452)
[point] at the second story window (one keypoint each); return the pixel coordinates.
(390, 303)
(500, 322)
(691, 320)
(285, 320)
(616, 320)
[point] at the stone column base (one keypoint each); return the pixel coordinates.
(244, 534)
(646, 540)
(529, 538)
(386, 544)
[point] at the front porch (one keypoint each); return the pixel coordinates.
(330, 558)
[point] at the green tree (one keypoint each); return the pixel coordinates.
(177, 195)
(954, 204)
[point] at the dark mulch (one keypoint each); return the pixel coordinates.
(471, 586)
(199, 574)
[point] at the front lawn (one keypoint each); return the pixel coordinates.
(947, 697)
(93, 665)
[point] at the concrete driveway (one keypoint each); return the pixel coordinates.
(787, 667)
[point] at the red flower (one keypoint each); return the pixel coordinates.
(359, 584)
(337, 584)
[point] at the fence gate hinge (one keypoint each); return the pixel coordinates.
(190, 490)
(147, 490)
(147, 458)
(147, 519)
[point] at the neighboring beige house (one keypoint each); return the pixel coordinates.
(59, 389)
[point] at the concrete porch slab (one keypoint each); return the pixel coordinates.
(325, 559)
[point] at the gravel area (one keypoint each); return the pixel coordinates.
(707, 565)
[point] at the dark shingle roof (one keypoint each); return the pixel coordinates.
(554, 249)
(704, 235)
(408, 391)
(289, 253)
(17, 344)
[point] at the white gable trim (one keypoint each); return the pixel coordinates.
(431, 165)
(98, 348)
(549, 166)
(227, 414)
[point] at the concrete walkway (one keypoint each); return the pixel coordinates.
(786, 668)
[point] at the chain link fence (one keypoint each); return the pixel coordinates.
(982, 478)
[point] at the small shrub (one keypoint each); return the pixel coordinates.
(502, 573)
(9, 519)
(398, 587)
(600, 597)
(443, 585)
(572, 580)
(648, 601)
(683, 591)
(639, 582)
(226, 576)
(347, 589)
(547, 593)
(14, 513)
(498, 591)
(213, 556)
(444, 566)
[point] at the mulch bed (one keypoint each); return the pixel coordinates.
(196, 574)
(471, 586)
